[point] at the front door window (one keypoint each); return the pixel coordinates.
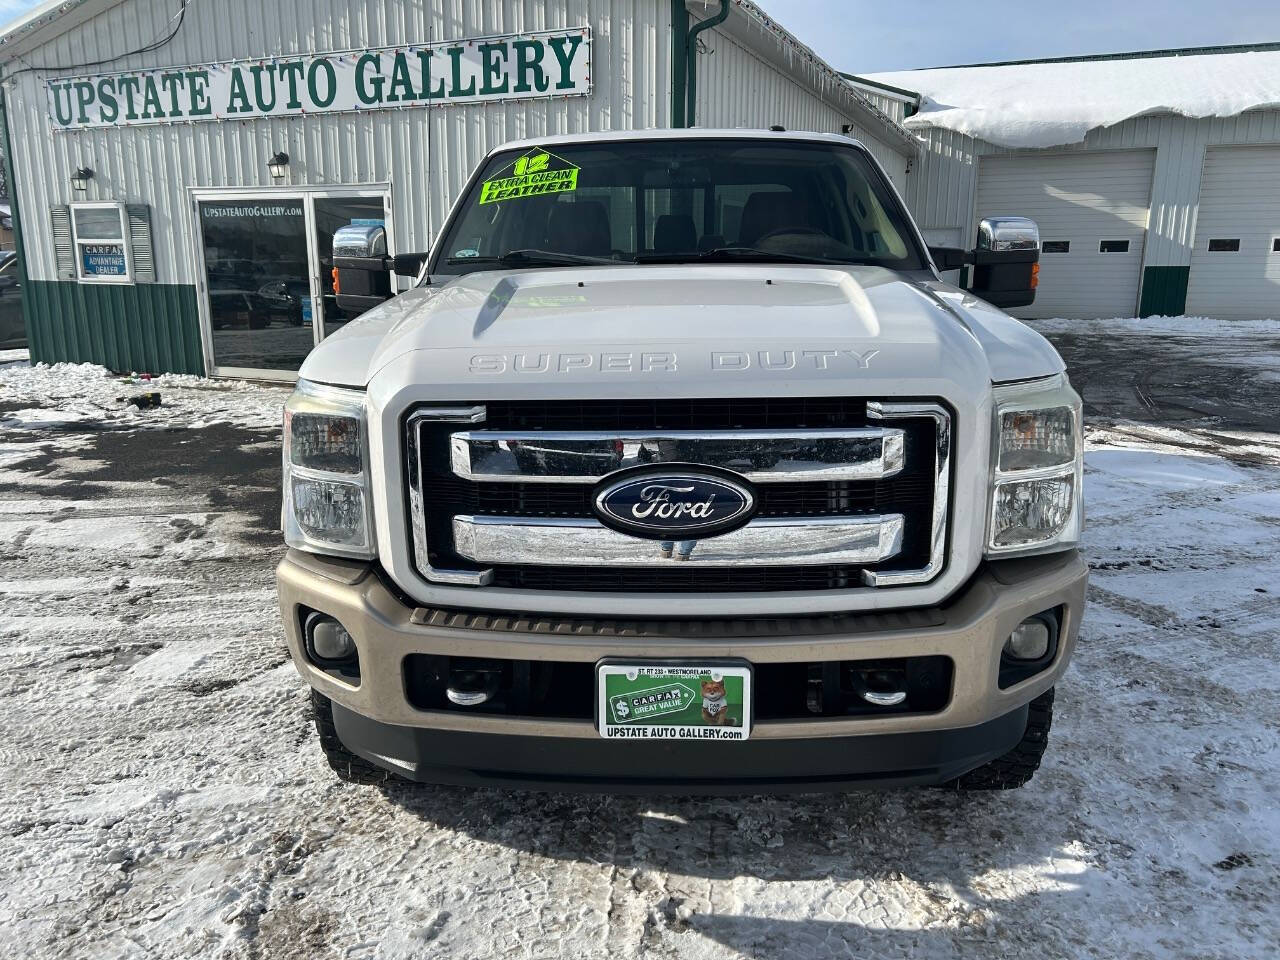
(333, 213)
(255, 259)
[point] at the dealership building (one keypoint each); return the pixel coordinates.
(179, 167)
(1154, 176)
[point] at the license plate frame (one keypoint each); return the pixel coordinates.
(680, 711)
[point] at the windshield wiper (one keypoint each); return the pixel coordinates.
(748, 254)
(532, 258)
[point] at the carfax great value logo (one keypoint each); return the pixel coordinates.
(671, 698)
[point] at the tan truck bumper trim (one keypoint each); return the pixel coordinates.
(971, 629)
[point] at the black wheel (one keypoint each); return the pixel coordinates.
(1020, 764)
(345, 764)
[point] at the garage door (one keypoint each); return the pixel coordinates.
(1092, 211)
(1235, 268)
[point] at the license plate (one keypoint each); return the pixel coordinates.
(674, 700)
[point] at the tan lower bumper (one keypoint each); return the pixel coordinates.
(971, 629)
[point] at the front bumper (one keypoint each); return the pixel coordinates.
(980, 721)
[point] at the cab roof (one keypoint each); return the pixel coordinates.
(690, 133)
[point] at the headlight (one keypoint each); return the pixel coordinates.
(326, 477)
(1037, 469)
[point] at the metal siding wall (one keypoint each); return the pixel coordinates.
(895, 109)
(736, 88)
(149, 328)
(941, 187)
(424, 154)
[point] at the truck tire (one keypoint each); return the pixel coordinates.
(1019, 765)
(345, 764)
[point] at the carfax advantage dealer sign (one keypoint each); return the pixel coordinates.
(553, 63)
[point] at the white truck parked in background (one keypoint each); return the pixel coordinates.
(680, 468)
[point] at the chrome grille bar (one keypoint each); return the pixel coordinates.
(764, 542)
(941, 491)
(763, 456)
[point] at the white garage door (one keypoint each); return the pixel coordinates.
(1092, 211)
(1235, 268)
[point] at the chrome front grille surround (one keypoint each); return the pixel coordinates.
(856, 453)
(545, 476)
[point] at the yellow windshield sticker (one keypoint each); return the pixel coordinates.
(535, 174)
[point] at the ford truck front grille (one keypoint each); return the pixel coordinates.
(849, 492)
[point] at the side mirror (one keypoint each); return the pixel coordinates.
(1006, 265)
(360, 281)
(363, 269)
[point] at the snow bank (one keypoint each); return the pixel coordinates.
(82, 393)
(1050, 104)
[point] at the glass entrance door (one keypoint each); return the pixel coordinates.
(268, 272)
(256, 277)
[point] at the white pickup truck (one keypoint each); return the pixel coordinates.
(680, 468)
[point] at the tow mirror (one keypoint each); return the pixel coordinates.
(362, 268)
(1006, 263)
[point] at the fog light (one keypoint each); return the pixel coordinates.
(329, 640)
(1030, 641)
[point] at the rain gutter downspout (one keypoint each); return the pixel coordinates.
(679, 60)
(692, 92)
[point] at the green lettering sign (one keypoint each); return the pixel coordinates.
(491, 69)
(424, 67)
(171, 82)
(129, 87)
(445, 72)
(458, 90)
(265, 104)
(330, 76)
(62, 110)
(369, 91)
(401, 86)
(151, 106)
(565, 58)
(238, 101)
(108, 105)
(198, 92)
(84, 97)
(530, 76)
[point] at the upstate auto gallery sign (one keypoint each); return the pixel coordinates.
(554, 63)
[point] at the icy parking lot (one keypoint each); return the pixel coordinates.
(163, 796)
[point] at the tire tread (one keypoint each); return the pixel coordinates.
(1019, 765)
(345, 764)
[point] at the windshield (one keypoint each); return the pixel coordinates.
(677, 201)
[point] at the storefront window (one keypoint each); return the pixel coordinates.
(100, 231)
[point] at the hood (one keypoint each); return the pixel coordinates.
(705, 330)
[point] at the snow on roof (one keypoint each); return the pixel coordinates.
(1050, 104)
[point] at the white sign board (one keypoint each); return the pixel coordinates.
(551, 63)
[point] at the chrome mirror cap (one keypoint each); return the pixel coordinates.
(1008, 233)
(360, 240)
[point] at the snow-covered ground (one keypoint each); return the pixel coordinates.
(163, 796)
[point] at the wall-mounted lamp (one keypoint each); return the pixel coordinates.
(80, 179)
(278, 165)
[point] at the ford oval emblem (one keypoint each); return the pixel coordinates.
(674, 503)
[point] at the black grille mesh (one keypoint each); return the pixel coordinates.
(909, 493)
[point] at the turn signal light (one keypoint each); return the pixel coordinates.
(1035, 275)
